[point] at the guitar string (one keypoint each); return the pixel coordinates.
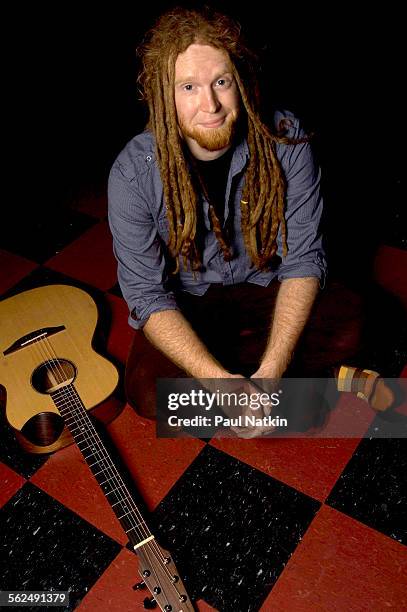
(153, 546)
(81, 418)
(157, 551)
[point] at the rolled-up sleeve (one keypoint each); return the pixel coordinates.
(137, 248)
(306, 255)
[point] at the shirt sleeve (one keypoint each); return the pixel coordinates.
(138, 249)
(306, 255)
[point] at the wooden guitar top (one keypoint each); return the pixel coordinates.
(73, 314)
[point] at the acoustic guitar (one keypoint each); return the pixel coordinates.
(52, 377)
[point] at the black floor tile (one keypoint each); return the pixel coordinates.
(46, 547)
(385, 333)
(373, 487)
(39, 237)
(115, 290)
(394, 227)
(45, 276)
(12, 454)
(391, 423)
(231, 529)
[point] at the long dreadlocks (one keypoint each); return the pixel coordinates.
(262, 204)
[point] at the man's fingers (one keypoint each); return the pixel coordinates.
(251, 432)
(267, 409)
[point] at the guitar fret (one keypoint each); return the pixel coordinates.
(109, 467)
(76, 437)
(129, 512)
(131, 528)
(86, 448)
(88, 439)
(121, 501)
(91, 455)
(98, 460)
(65, 405)
(80, 426)
(105, 481)
(101, 471)
(91, 448)
(113, 490)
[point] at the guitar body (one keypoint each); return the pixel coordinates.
(52, 378)
(45, 330)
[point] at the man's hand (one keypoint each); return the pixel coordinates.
(244, 385)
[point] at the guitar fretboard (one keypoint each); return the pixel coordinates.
(99, 461)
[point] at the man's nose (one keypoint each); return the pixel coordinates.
(209, 101)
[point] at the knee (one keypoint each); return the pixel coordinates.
(140, 388)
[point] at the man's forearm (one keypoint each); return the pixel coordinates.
(293, 306)
(172, 334)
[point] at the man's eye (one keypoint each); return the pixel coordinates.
(188, 87)
(221, 82)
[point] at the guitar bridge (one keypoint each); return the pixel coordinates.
(34, 336)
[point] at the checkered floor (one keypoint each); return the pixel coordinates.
(295, 524)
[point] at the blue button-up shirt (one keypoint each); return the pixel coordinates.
(138, 222)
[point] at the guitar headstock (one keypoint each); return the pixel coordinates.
(159, 573)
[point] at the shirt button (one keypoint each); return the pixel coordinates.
(148, 158)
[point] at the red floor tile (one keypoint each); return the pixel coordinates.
(10, 483)
(12, 269)
(389, 270)
(309, 465)
(154, 463)
(202, 606)
(342, 565)
(92, 204)
(67, 478)
(120, 333)
(113, 591)
(89, 259)
(351, 417)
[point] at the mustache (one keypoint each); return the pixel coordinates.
(215, 138)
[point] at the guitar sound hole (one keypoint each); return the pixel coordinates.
(52, 375)
(43, 428)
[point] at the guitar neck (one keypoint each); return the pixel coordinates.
(99, 461)
(36, 327)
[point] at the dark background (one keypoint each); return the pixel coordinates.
(75, 105)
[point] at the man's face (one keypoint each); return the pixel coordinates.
(207, 100)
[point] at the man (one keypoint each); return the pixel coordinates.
(215, 218)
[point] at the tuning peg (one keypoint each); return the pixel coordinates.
(139, 586)
(149, 603)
